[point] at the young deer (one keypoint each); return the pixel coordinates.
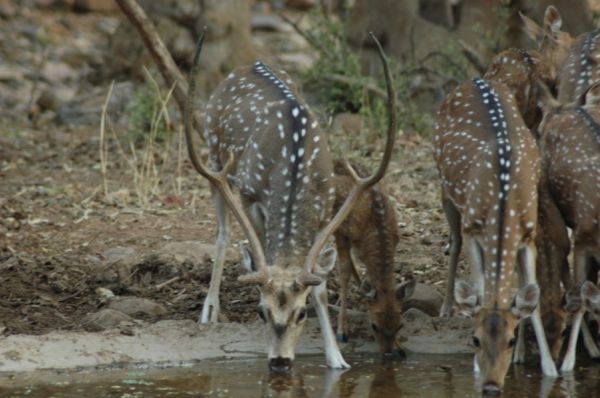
(570, 144)
(371, 230)
(489, 168)
(577, 60)
(264, 141)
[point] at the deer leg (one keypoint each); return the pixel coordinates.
(344, 273)
(477, 276)
(520, 349)
(332, 351)
(211, 308)
(455, 245)
(548, 366)
(580, 273)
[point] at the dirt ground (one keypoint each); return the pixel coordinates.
(66, 243)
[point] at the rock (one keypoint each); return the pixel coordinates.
(7, 9)
(118, 264)
(348, 124)
(425, 298)
(268, 22)
(194, 251)
(96, 6)
(414, 314)
(105, 319)
(56, 72)
(85, 109)
(136, 306)
(53, 97)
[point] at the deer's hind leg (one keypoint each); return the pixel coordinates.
(211, 306)
(454, 220)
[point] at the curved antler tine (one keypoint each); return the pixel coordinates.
(361, 184)
(219, 179)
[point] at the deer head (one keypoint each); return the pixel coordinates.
(285, 169)
(552, 42)
(385, 313)
(494, 335)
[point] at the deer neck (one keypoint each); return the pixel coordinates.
(578, 70)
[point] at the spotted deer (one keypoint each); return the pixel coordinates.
(570, 146)
(371, 231)
(577, 60)
(520, 71)
(264, 141)
(488, 164)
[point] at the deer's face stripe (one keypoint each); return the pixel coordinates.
(504, 150)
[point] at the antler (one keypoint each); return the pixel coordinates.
(219, 178)
(361, 184)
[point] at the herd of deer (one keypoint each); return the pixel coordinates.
(517, 167)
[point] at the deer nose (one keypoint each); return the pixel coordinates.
(491, 388)
(280, 365)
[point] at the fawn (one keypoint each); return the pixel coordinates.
(371, 230)
(264, 141)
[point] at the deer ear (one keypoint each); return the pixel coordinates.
(571, 301)
(592, 95)
(405, 289)
(552, 21)
(326, 262)
(466, 298)
(526, 300)
(246, 262)
(533, 30)
(590, 294)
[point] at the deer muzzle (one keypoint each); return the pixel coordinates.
(280, 365)
(491, 388)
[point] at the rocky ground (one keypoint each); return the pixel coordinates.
(96, 235)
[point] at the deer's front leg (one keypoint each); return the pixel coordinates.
(332, 351)
(344, 273)
(211, 307)
(548, 366)
(580, 272)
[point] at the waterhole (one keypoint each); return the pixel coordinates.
(415, 376)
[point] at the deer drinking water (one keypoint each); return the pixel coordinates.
(371, 230)
(570, 143)
(489, 168)
(264, 141)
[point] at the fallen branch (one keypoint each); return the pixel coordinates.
(166, 283)
(159, 52)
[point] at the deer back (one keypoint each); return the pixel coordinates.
(281, 157)
(571, 158)
(581, 67)
(489, 168)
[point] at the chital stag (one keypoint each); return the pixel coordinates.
(489, 168)
(570, 143)
(265, 142)
(577, 60)
(372, 232)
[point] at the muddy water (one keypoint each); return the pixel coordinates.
(416, 376)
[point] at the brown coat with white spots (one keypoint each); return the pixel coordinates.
(371, 231)
(570, 147)
(581, 68)
(489, 168)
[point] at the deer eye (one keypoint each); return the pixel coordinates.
(375, 328)
(476, 342)
(301, 315)
(261, 314)
(512, 342)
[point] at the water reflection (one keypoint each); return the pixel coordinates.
(416, 376)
